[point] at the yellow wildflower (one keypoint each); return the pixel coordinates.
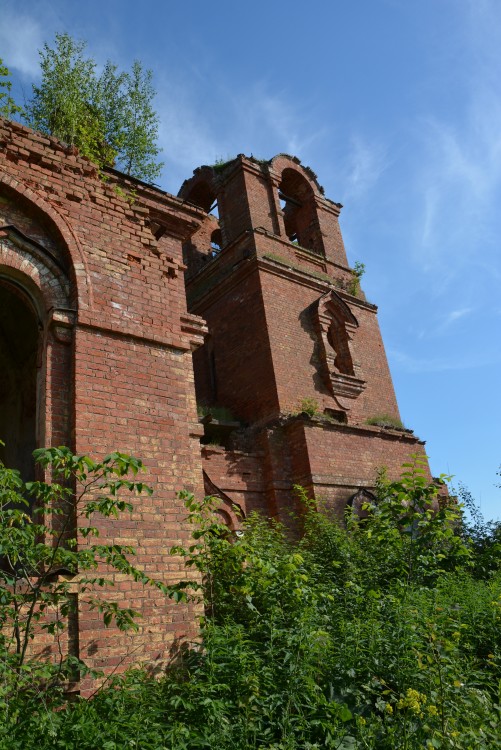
(413, 700)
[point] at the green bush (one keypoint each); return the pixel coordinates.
(374, 633)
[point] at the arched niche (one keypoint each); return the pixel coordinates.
(359, 502)
(336, 326)
(201, 190)
(202, 195)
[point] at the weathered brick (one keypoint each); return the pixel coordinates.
(102, 266)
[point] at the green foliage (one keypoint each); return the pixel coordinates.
(108, 117)
(374, 633)
(309, 406)
(8, 107)
(386, 420)
(44, 564)
(221, 163)
(484, 537)
(67, 103)
(357, 272)
(136, 139)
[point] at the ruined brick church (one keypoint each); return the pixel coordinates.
(219, 335)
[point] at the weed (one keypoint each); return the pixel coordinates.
(353, 286)
(309, 406)
(386, 420)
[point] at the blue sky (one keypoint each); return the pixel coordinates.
(397, 107)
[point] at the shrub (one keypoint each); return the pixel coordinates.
(309, 406)
(369, 633)
(41, 555)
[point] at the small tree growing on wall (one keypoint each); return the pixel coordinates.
(110, 118)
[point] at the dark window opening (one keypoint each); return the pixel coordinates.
(337, 415)
(19, 340)
(157, 229)
(297, 202)
(216, 242)
(214, 210)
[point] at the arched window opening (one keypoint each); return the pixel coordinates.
(19, 346)
(361, 502)
(216, 242)
(214, 210)
(297, 202)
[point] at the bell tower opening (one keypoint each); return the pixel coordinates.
(19, 344)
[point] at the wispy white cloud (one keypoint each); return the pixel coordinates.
(454, 315)
(458, 157)
(449, 319)
(255, 120)
(444, 323)
(266, 116)
(406, 362)
(21, 36)
(185, 138)
(365, 163)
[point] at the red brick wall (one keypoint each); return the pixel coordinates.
(344, 458)
(238, 326)
(238, 475)
(117, 368)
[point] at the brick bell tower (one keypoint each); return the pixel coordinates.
(294, 359)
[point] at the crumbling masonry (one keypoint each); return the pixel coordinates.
(123, 307)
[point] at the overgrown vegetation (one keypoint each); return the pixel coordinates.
(386, 420)
(375, 633)
(108, 117)
(40, 557)
(357, 272)
(8, 107)
(309, 406)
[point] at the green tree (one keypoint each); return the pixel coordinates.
(137, 149)
(109, 118)
(66, 104)
(8, 107)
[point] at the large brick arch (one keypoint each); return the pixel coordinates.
(283, 162)
(27, 264)
(79, 274)
(38, 277)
